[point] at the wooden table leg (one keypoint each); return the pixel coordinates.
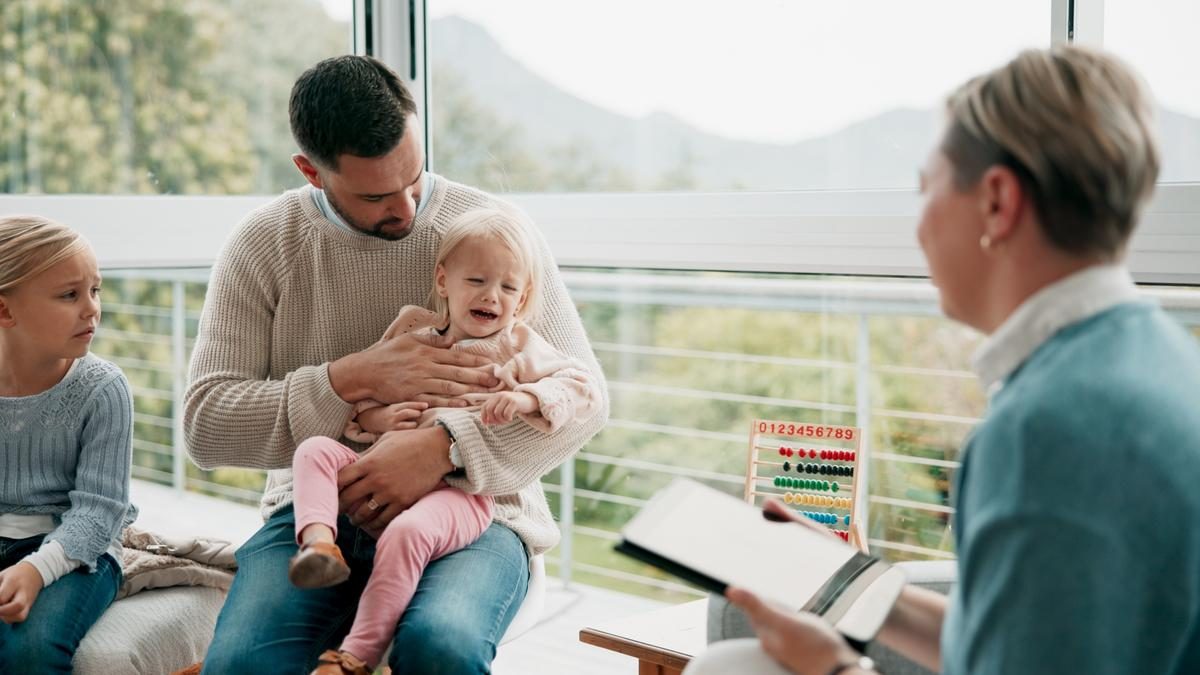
(647, 668)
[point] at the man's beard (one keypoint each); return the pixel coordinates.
(372, 231)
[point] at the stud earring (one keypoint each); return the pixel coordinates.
(985, 242)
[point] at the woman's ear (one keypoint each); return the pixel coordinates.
(1002, 201)
(439, 281)
(7, 320)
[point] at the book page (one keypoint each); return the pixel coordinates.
(729, 540)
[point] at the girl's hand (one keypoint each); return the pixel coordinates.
(395, 417)
(802, 643)
(501, 407)
(19, 587)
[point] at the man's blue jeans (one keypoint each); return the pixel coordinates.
(462, 607)
(45, 642)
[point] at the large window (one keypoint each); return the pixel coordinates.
(673, 152)
(543, 96)
(154, 97)
(1155, 36)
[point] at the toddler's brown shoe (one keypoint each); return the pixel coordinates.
(340, 663)
(318, 565)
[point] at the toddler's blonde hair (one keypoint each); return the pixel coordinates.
(30, 245)
(506, 227)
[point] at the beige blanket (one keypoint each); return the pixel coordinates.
(156, 561)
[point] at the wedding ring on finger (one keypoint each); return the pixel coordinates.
(372, 504)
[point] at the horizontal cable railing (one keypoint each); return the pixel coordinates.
(160, 358)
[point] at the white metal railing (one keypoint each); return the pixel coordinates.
(862, 300)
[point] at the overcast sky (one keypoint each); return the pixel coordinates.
(784, 70)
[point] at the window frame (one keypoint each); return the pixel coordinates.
(841, 232)
(861, 233)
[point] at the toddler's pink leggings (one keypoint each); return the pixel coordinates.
(442, 522)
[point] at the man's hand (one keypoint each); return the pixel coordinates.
(501, 407)
(802, 643)
(401, 467)
(19, 587)
(411, 368)
(394, 417)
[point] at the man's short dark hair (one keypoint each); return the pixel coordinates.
(349, 105)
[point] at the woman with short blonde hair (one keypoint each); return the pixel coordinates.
(1077, 522)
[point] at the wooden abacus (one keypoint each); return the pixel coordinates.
(813, 468)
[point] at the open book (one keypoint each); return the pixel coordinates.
(714, 540)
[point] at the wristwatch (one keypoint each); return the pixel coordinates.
(861, 663)
(455, 455)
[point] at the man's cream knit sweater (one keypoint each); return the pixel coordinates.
(292, 291)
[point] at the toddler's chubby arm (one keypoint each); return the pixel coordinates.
(549, 389)
(372, 419)
(502, 406)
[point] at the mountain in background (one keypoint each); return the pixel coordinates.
(660, 150)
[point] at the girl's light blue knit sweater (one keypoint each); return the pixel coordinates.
(66, 452)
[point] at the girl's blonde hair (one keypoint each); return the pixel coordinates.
(506, 227)
(1076, 126)
(30, 245)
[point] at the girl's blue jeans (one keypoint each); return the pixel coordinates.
(45, 642)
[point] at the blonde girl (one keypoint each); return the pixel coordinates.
(66, 425)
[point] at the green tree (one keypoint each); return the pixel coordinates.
(153, 96)
(103, 97)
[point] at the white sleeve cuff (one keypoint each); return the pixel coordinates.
(51, 562)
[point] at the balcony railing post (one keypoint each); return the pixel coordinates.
(862, 389)
(178, 380)
(566, 519)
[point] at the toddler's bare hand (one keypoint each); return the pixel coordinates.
(395, 417)
(500, 408)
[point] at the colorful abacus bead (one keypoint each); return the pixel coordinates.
(787, 466)
(847, 520)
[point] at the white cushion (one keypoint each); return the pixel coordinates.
(165, 629)
(530, 611)
(151, 633)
